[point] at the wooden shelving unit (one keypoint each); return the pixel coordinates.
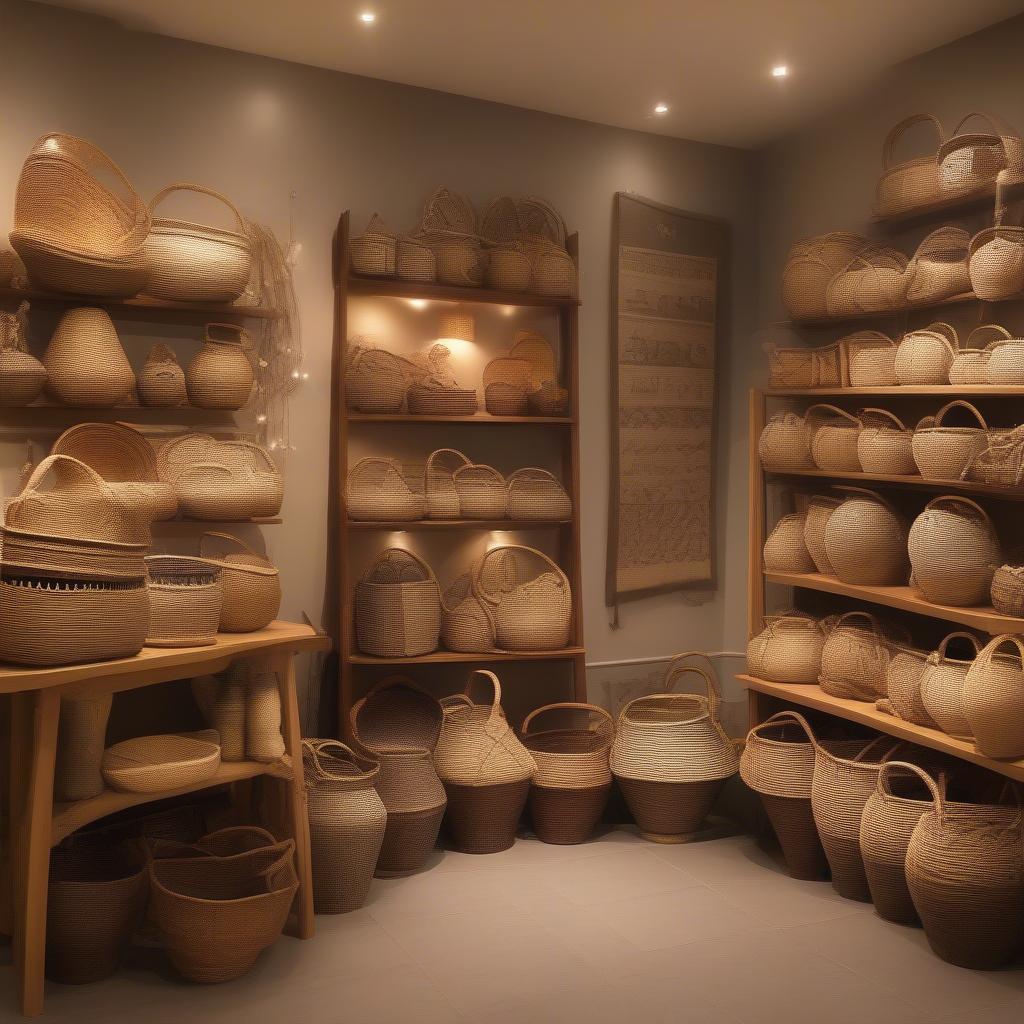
(346, 532)
(978, 199)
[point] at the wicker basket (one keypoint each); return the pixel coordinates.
(151, 764)
(1002, 462)
(910, 184)
(970, 162)
(439, 483)
(221, 376)
(997, 260)
(785, 443)
(903, 698)
(885, 444)
(535, 495)
(943, 452)
(819, 512)
(791, 367)
(191, 262)
(22, 376)
(377, 490)
(550, 399)
(553, 269)
(570, 790)
(924, 356)
(95, 900)
(531, 609)
(185, 599)
(834, 435)
(85, 363)
(81, 737)
(969, 365)
(375, 382)
(481, 491)
(466, 621)
(871, 359)
(509, 268)
(1006, 363)
(539, 220)
(787, 650)
(810, 266)
(963, 871)
(217, 914)
(938, 269)
(250, 584)
(866, 540)
(162, 381)
(447, 210)
(1008, 591)
(942, 687)
(397, 606)
(874, 281)
(785, 549)
(992, 698)
(373, 253)
(426, 399)
(347, 819)
(507, 382)
(414, 261)
(954, 552)
(855, 658)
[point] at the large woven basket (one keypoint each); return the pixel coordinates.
(162, 380)
(191, 262)
(834, 434)
(507, 382)
(969, 365)
(785, 443)
(151, 764)
(377, 490)
(942, 686)
(433, 399)
(185, 599)
(866, 540)
(85, 363)
(874, 281)
(346, 823)
(397, 606)
(787, 650)
(810, 266)
(855, 658)
(871, 359)
(909, 184)
(1006, 362)
(785, 550)
(439, 483)
(938, 269)
(509, 268)
(942, 450)
(970, 161)
(993, 688)
(570, 789)
(1008, 591)
(481, 492)
(221, 376)
(924, 356)
(553, 269)
(22, 376)
(373, 253)
(819, 512)
(537, 496)
(954, 551)
(374, 381)
(903, 687)
(250, 584)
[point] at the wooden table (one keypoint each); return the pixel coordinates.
(37, 824)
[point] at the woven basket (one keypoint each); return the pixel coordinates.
(871, 359)
(787, 650)
(439, 483)
(377, 490)
(249, 582)
(185, 599)
(553, 269)
(95, 900)
(790, 367)
(531, 608)
(785, 443)
(397, 606)
(938, 269)
(81, 737)
(539, 220)
(191, 262)
(346, 823)
(969, 366)
(509, 268)
(866, 540)
(217, 914)
(810, 266)
(550, 399)
(150, 764)
(1008, 591)
(466, 621)
(221, 376)
(375, 382)
(855, 659)
(885, 444)
(925, 356)
(903, 687)
(533, 348)
(447, 210)
(834, 435)
(944, 452)
(874, 281)
(963, 871)
(536, 495)
(1002, 462)
(972, 161)
(507, 382)
(819, 512)
(1006, 363)
(373, 253)
(414, 261)
(481, 491)
(942, 687)
(785, 549)
(992, 698)
(997, 260)
(433, 400)
(85, 363)
(22, 376)
(162, 380)
(910, 184)
(954, 552)
(570, 790)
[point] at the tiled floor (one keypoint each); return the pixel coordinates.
(615, 931)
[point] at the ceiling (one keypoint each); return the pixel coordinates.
(608, 61)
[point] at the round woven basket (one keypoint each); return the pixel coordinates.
(885, 445)
(1008, 590)
(997, 262)
(866, 540)
(221, 376)
(993, 688)
(22, 376)
(466, 621)
(397, 606)
(85, 363)
(507, 383)
(439, 483)
(969, 366)
(375, 382)
(785, 443)
(414, 261)
(912, 183)
(553, 269)
(785, 550)
(943, 452)
(874, 281)
(509, 268)
(185, 599)
(903, 687)
(373, 253)
(942, 686)
(810, 266)
(787, 650)
(481, 491)
(871, 357)
(250, 584)
(150, 764)
(378, 490)
(938, 269)
(819, 512)
(81, 737)
(162, 380)
(924, 356)
(1006, 363)
(855, 658)
(535, 495)
(834, 434)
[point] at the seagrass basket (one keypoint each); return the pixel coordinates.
(1006, 363)
(790, 367)
(866, 539)
(507, 382)
(22, 376)
(787, 650)
(481, 491)
(414, 261)
(374, 381)
(913, 183)
(855, 658)
(535, 495)
(466, 620)
(373, 253)
(810, 266)
(874, 281)
(969, 365)
(834, 434)
(785, 549)
(377, 489)
(151, 764)
(785, 443)
(397, 606)
(943, 450)
(1001, 462)
(550, 399)
(221, 376)
(938, 268)
(942, 686)
(553, 269)
(439, 483)
(1008, 590)
(992, 698)
(431, 398)
(185, 599)
(446, 210)
(819, 512)
(997, 260)
(250, 584)
(162, 380)
(509, 268)
(871, 359)
(885, 444)
(85, 363)
(924, 356)
(538, 220)
(970, 161)
(903, 677)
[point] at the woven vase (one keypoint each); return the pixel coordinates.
(162, 380)
(85, 363)
(220, 375)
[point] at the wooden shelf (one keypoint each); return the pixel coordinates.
(915, 482)
(480, 417)
(213, 524)
(973, 200)
(455, 524)
(458, 657)
(939, 390)
(119, 414)
(812, 696)
(828, 321)
(69, 817)
(984, 618)
(382, 286)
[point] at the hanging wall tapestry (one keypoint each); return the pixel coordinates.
(669, 271)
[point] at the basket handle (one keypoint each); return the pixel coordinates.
(997, 128)
(941, 414)
(959, 499)
(478, 568)
(594, 709)
(675, 670)
(314, 748)
(864, 751)
(832, 409)
(494, 717)
(780, 718)
(520, 474)
(876, 627)
(185, 186)
(446, 451)
(241, 335)
(898, 130)
(883, 414)
(940, 653)
(488, 471)
(887, 769)
(66, 471)
(1002, 332)
(230, 538)
(988, 652)
(404, 551)
(943, 330)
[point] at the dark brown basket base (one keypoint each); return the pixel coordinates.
(483, 819)
(987, 938)
(889, 892)
(665, 811)
(565, 817)
(794, 827)
(409, 840)
(848, 878)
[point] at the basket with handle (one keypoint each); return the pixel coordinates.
(1008, 590)
(397, 606)
(903, 677)
(954, 551)
(970, 161)
(938, 268)
(22, 376)
(466, 620)
(943, 451)
(790, 367)
(874, 281)
(819, 512)
(536, 495)
(378, 490)
(855, 658)
(970, 362)
(509, 268)
(439, 483)
(785, 550)
(810, 266)
(549, 399)
(570, 790)
(507, 382)
(909, 184)
(785, 443)
(996, 261)
(942, 686)
(553, 270)
(834, 434)
(1005, 365)
(161, 383)
(866, 539)
(85, 363)
(870, 358)
(190, 262)
(414, 261)
(250, 583)
(373, 253)
(481, 491)
(925, 355)
(885, 444)
(221, 376)
(185, 600)
(787, 650)
(992, 698)
(374, 381)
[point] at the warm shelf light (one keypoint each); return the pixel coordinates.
(367, 17)
(780, 71)
(661, 108)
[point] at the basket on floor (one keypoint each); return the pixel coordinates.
(397, 606)
(855, 658)
(250, 584)
(95, 900)
(924, 356)
(162, 380)
(938, 269)
(993, 688)
(535, 495)
(866, 539)
(810, 266)
(969, 366)
(785, 550)
(374, 380)
(913, 183)
(942, 686)
(787, 650)
(377, 489)
(819, 512)
(185, 599)
(481, 491)
(885, 444)
(1008, 590)
(373, 252)
(85, 363)
(217, 914)
(903, 677)
(570, 790)
(671, 757)
(439, 483)
(485, 769)
(346, 823)
(151, 764)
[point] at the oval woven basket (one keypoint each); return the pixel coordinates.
(250, 584)
(426, 399)
(855, 659)
(536, 495)
(787, 650)
(185, 599)
(374, 381)
(834, 434)
(942, 686)
(507, 382)
(509, 268)
(943, 452)
(866, 540)
(481, 492)
(785, 443)
(938, 269)
(819, 512)
(885, 444)
(439, 483)
(871, 358)
(221, 376)
(785, 550)
(874, 281)
(992, 698)
(909, 184)
(970, 362)
(397, 606)
(997, 261)
(85, 363)
(903, 687)
(924, 356)
(466, 622)
(1005, 365)
(374, 252)
(150, 764)
(378, 490)
(970, 161)
(162, 380)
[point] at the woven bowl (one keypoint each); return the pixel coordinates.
(151, 764)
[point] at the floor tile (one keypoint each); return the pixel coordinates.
(783, 902)
(1008, 1011)
(735, 859)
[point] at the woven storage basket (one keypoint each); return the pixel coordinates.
(972, 161)
(162, 381)
(866, 540)
(72, 230)
(834, 435)
(791, 367)
(969, 366)
(397, 606)
(22, 376)
(1008, 591)
(910, 184)
(126, 461)
(1006, 363)
(499, 223)
(414, 261)
(346, 823)
(942, 687)
(954, 552)
(507, 382)
(855, 658)
(378, 490)
(191, 262)
(432, 399)
(964, 874)
(787, 650)
(871, 359)
(466, 622)
(249, 582)
(570, 790)
(481, 491)
(903, 687)
(439, 483)
(531, 608)
(944, 452)
(785, 549)
(505, 400)
(874, 281)
(535, 495)
(554, 272)
(217, 914)
(95, 900)
(221, 376)
(810, 265)
(81, 737)
(785, 443)
(63, 622)
(1002, 462)
(550, 399)
(373, 253)
(938, 269)
(150, 764)
(509, 268)
(885, 444)
(448, 210)
(532, 347)
(671, 757)
(993, 690)
(185, 599)
(400, 724)
(485, 769)
(85, 363)
(997, 259)
(819, 512)
(375, 382)
(924, 356)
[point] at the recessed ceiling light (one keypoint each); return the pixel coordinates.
(661, 108)
(780, 71)
(368, 17)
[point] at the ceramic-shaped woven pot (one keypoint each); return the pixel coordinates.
(85, 363)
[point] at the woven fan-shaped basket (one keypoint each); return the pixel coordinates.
(938, 269)
(499, 223)
(539, 220)
(536, 495)
(913, 183)
(378, 490)
(397, 606)
(250, 583)
(149, 764)
(481, 492)
(373, 252)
